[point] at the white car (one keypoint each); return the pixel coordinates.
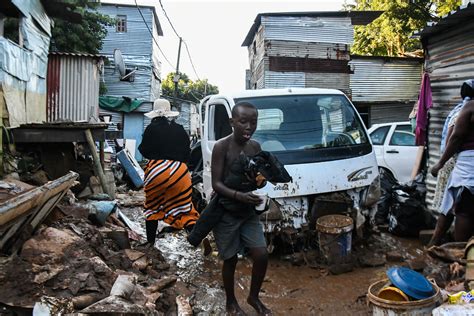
(395, 148)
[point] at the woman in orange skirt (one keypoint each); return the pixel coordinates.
(168, 185)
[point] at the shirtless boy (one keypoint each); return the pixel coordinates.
(241, 229)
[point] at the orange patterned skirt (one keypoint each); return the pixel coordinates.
(168, 192)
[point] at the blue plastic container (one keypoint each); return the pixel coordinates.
(411, 282)
(133, 169)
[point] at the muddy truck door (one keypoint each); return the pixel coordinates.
(216, 126)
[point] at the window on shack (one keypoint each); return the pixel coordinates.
(121, 24)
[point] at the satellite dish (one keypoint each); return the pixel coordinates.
(125, 74)
(118, 60)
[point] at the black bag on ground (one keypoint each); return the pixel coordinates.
(407, 213)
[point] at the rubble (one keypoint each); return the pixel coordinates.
(73, 264)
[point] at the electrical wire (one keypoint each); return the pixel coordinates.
(191, 60)
(185, 44)
(151, 33)
(166, 15)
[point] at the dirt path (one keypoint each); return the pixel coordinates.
(287, 289)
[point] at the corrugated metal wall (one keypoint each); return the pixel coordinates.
(329, 80)
(385, 79)
(301, 52)
(137, 50)
(72, 88)
(449, 62)
(308, 29)
(139, 88)
(137, 40)
(307, 50)
(284, 79)
(389, 112)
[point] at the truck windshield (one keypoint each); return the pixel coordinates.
(305, 128)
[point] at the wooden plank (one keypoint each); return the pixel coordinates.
(24, 203)
(97, 165)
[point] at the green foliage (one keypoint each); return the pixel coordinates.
(85, 37)
(189, 90)
(389, 35)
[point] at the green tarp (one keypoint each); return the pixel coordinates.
(122, 104)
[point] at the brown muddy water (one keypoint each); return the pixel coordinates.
(287, 289)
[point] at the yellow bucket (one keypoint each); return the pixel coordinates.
(391, 293)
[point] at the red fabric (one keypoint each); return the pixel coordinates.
(425, 102)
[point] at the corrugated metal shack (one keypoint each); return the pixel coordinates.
(449, 60)
(384, 89)
(24, 63)
(73, 87)
(132, 37)
(303, 49)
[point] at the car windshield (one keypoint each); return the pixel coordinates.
(304, 122)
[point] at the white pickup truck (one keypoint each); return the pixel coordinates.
(319, 137)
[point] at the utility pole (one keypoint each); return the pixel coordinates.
(176, 78)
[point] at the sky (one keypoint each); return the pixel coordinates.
(214, 31)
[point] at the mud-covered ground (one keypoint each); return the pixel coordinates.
(292, 286)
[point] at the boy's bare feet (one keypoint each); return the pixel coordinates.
(233, 309)
(256, 303)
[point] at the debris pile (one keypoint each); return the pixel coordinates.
(85, 258)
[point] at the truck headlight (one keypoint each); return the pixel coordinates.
(371, 195)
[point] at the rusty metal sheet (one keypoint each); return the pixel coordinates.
(449, 62)
(21, 215)
(309, 65)
(73, 88)
(309, 29)
(307, 50)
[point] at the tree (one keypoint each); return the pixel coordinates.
(84, 37)
(189, 90)
(390, 34)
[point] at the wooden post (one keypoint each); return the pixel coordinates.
(101, 154)
(97, 165)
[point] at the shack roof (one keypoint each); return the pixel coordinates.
(153, 9)
(357, 18)
(455, 17)
(95, 56)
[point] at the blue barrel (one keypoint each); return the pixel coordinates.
(335, 238)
